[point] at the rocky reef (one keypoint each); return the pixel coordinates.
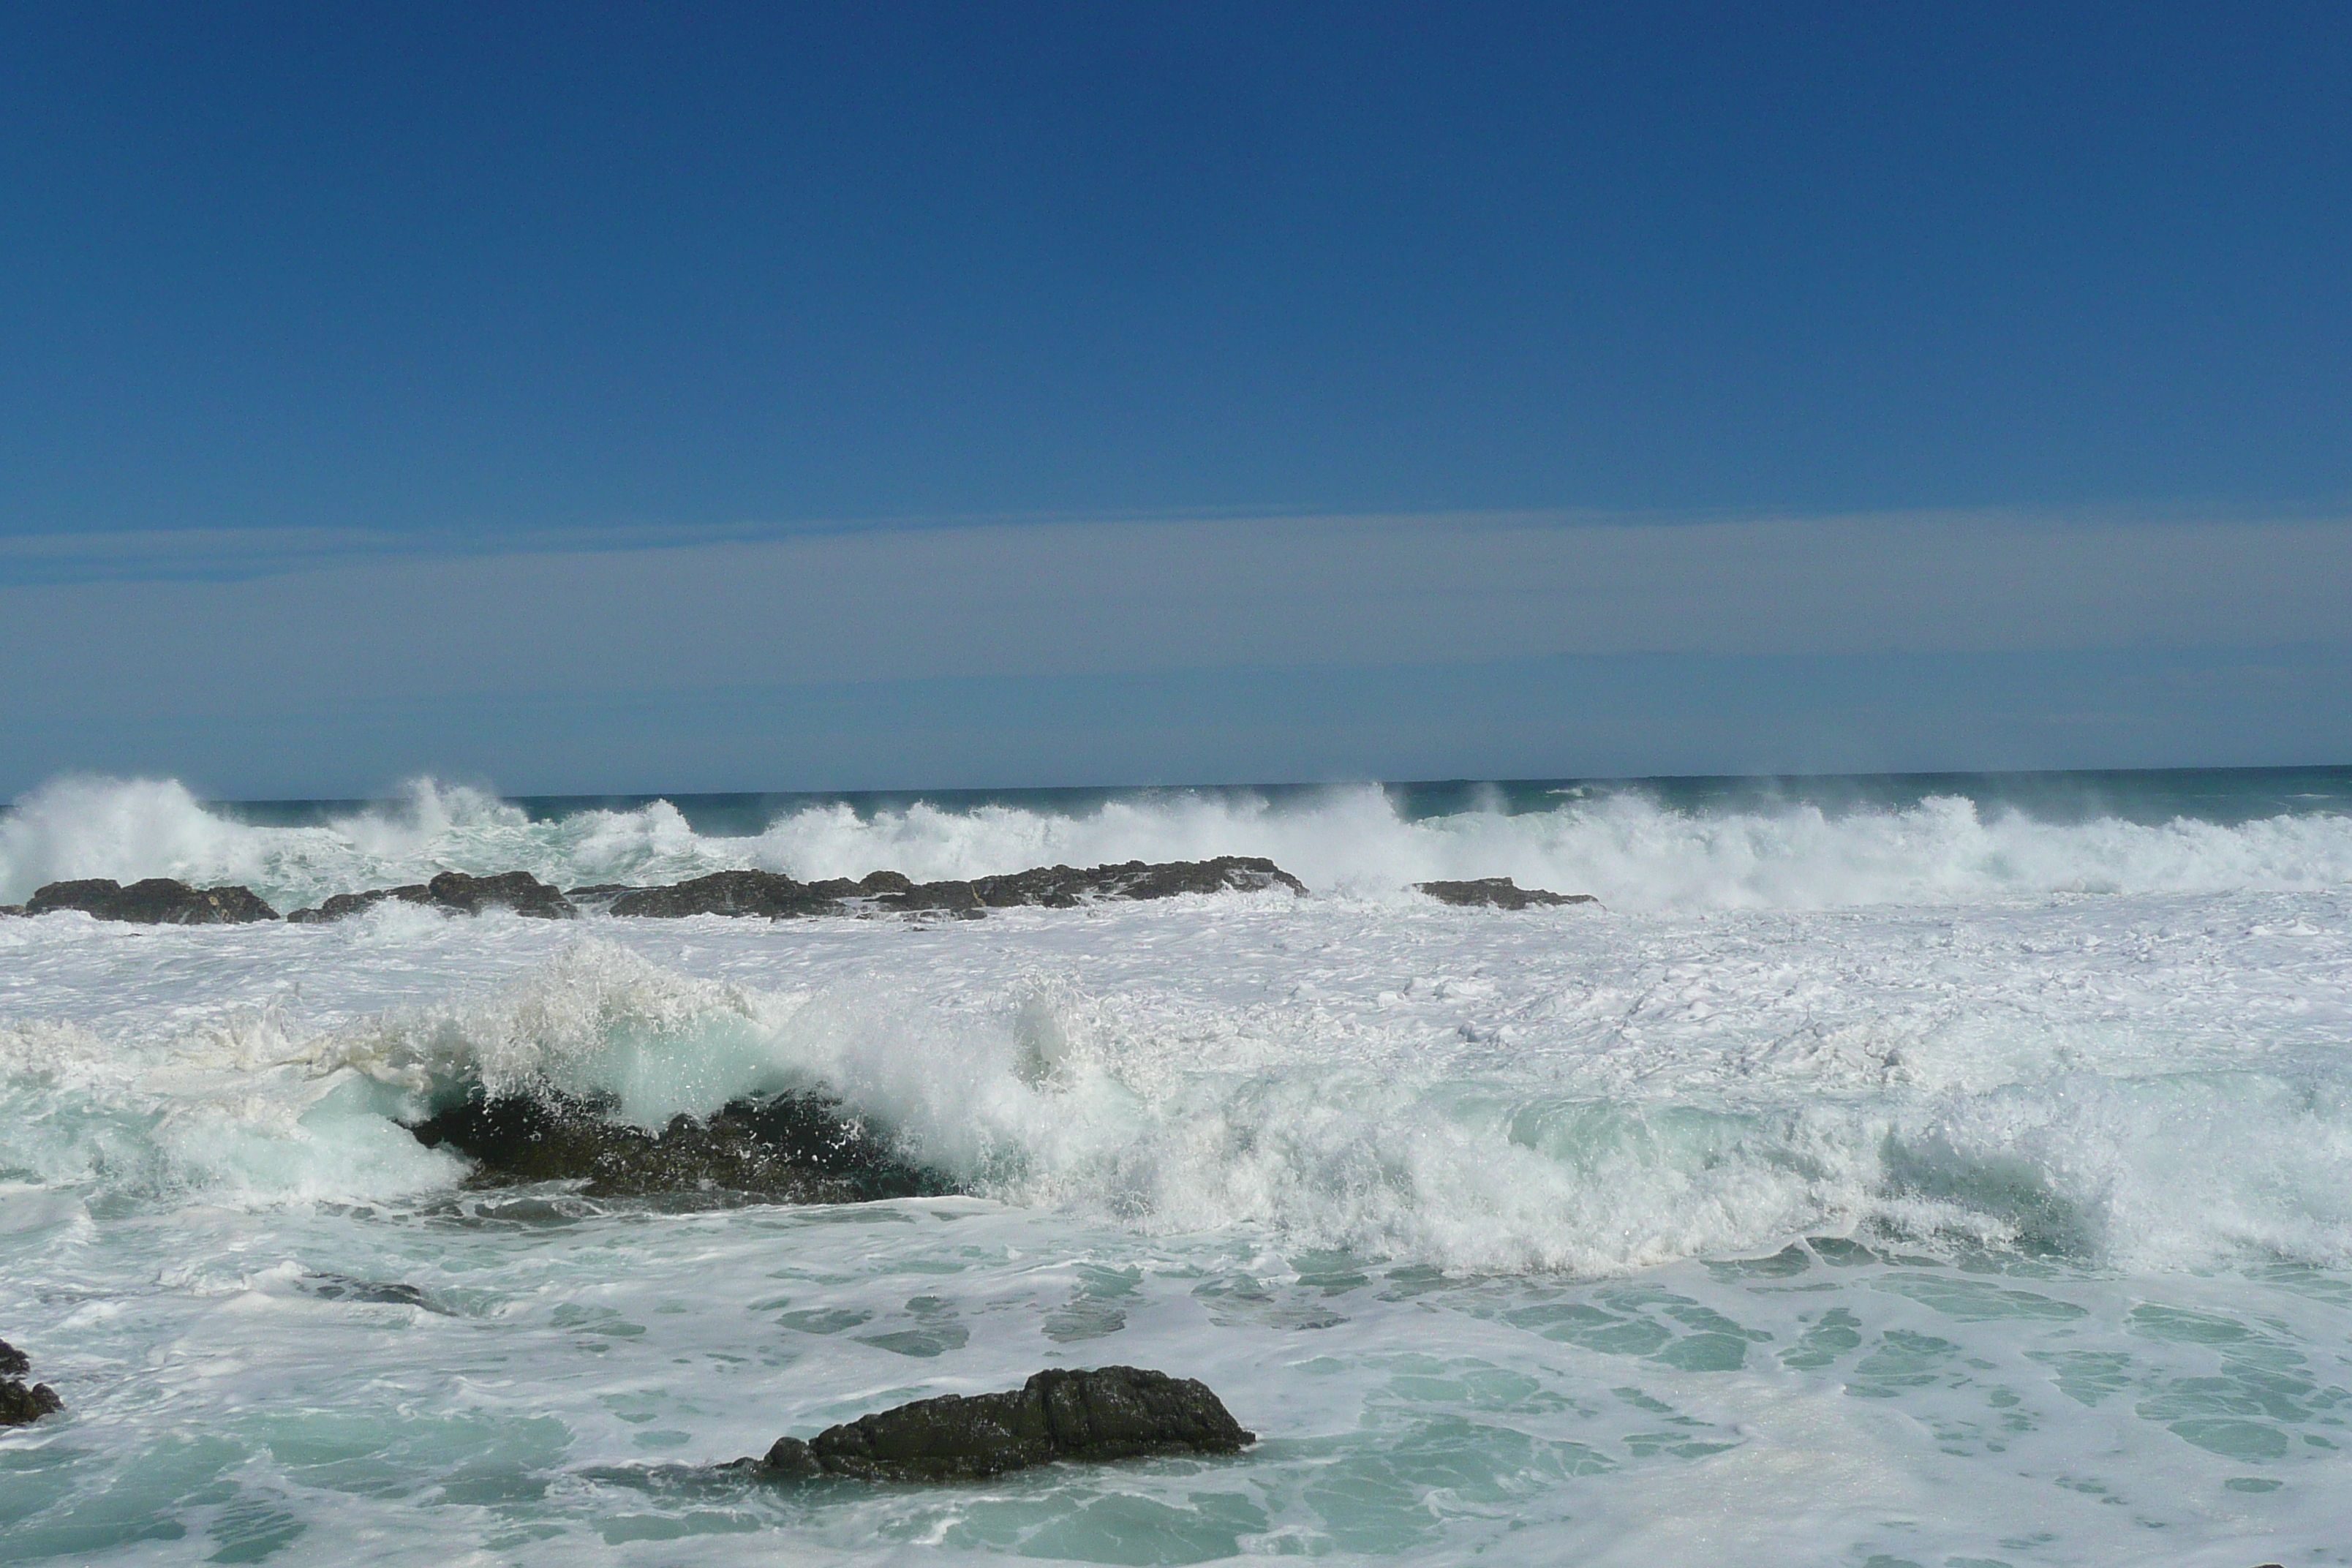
(780, 897)
(766, 894)
(1498, 893)
(1109, 1412)
(20, 1404)
(455, 892)
(158, 900)
(786, 1148)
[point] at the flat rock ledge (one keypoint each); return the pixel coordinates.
(158, 900)
(1498, 893)
(21, 1406)
(784, 1148)
(453, 892)
(1110, 1413)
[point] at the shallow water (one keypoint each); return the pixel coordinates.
(1920, 1184)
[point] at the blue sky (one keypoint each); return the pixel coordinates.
(628, 397)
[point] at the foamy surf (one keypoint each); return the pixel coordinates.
(1969, 1221)
(1627, 846)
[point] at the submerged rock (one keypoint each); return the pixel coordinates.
(1499, 892)
(785, 1148)
(1110, 1413)
(455, 891)
(342, 906)
(158, 900)
(21, 1406)
(377, 1292)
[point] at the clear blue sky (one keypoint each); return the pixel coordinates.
(367, 286)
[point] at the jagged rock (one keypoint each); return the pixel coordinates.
(766, 893)
(1499, 892)
(158, 900)
(455, 891)
(1111, 1413)
(785, 1148)
(21, 1406)
(518, 891)
(12, 908)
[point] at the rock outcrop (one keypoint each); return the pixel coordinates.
(158, 900)
(785, 1148)
(1111, 1413)
(21, 1406)
(1499, 893)
(779, 897)
(1060, 887)
(768, 894)
(456, 892)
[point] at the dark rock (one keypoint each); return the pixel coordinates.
(342, 906)
(518, 891)
(599, 892)
(158, 900)
(1058, 887)
(785, 1148)
(455, 891)
(12, 908)
(1497, 893)
(1112, 1413)
(1061, 887)
(389, 1293)
(765, 893)
(20, 1406)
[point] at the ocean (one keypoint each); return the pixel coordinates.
(1935, 1170)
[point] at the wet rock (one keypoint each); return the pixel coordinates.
(518, 891)
(765, 893)
(158, 900)
(1499, 893)
(21, 1406)
(11, 910)
(785, 1148)
(342, 906)
(1110, 1413)
(1061, 887)
(890, 892)
(456, 892)
(379, 1292)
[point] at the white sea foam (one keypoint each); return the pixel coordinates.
(1521, 1118)
(1493, 1223)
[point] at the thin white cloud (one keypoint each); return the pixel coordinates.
(1060, 598)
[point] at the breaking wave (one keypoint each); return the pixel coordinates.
(1629, 850)
(1037, 1095)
